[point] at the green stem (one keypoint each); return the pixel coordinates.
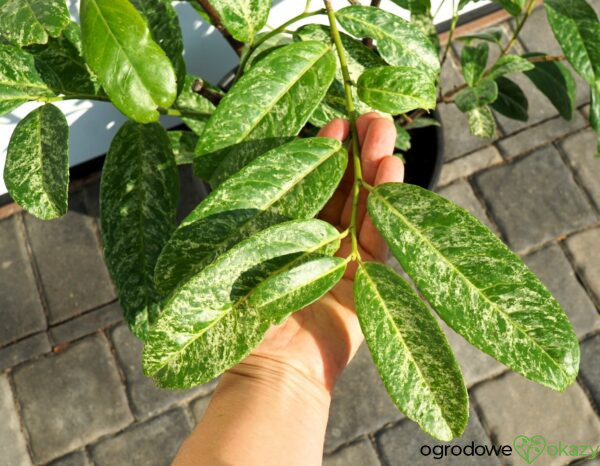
(337, 40)
(520, 24)
(450, 33)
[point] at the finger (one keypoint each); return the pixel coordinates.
(362, 124)
(379, 143)
(337, 129)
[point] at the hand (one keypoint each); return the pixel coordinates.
(320, 340)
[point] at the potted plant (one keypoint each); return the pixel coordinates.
(202, 294)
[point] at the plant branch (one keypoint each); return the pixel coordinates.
(337, 40)
(520, 24)
(235, 44)
(210, 95)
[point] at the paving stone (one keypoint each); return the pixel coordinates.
(358, 454)
(450, 76)
(583, 248)
(512, 405)
(71, 398)
(580, 149)
(466, 166)
(86, 324)
(68, 256)
(540, 135)
(586, 111)
(461, 193)
(589, 370)
(24, 350)
(199, 407)
(360, 403)
(13, 448)
(535, 199)
(147, 398)
(22, 312)
(191, 191)
(402, 444)
(78, 458)
(554, 270)
(153, 443)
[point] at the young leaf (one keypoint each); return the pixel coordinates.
(396, 89)
(489, 35)
(507, 64)
(132, 68)
(138, 201)
(511, 101)
(268, 105)
(411, 352)
(27, 22)
(485, 92)
(514, 7)
(476, 284)
(422, 122)
(402, 138)
(242, 18)
(481, 122)
(183, 144)
(399, 42)
(577, 30)
(36, 173)
(206, 326)
(291, 181)
(473, 61)
(595, 113)
(556, 82)
(19, 79)
(195, 109)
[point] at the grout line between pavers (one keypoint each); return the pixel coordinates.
(378, 453)
(578, 276)
(19, 410)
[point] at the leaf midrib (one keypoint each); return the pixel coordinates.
(383, 91)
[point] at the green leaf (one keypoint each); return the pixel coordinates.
(422, 122)
(27, 22)
(476, 284)
(489, 35)
(485, 92)
(267, 107)
(19, 79)
(242, 18)
(514, 7)
(206, 326)
(183, 144)
(164, 26)
(132, 68)
(481, 122)
(507, 64)
(577, 30)
(473, 61)
(266, 47)
(411, 352)
(414, 6)
(138, 200)
(424, 22)
(291, 181)
(402, 138)
(556, 82)
(396, 89)
(195, 109)
(36, 173)
(595, 113)
(201, 11)
(511, 101)
(399, 42)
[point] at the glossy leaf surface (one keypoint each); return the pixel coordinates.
(476, 284)
(473, 61)
(132, 68)
(511, 101)
(195, 109)
(37, 163)
(183, 144)
(138, 200)
(291, 181)
(267, 107)
(411, 352)
(27, 22)
(242, 18)
(481, 122)
(485, 92)
(507, 64)
(206, 325)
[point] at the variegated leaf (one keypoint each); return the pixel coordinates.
(27, 22)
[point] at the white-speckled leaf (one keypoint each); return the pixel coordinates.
(476, 284)
(473, 60)
(291, 181)
(133, 70)
(195, 109)
(206, 325)
(508, 64)
(268, 106)
(484, 93)
(138, 201)
(27, 22)
(183, 144)
(481, 122)
(242, 18)
(411, 352)
(36, 173)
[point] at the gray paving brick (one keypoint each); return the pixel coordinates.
(78, 458)
(147, 398)
(583, 248)
(199, 407)
(469, 164)
(540, 135)
(512, 405)
(461, 193)
(153, 443)
(580, 149)
(535, 199)
(358, 454)
(22, 312)
(71, 398)
(553, 268)
(402, 445)
(360, 403)
(68, 256)
(24, 350)
(589, 370)
(13, 448)
(87, 323)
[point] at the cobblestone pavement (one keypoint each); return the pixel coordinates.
(71, 388)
